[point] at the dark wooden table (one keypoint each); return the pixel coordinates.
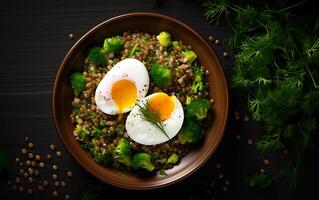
(34, 36)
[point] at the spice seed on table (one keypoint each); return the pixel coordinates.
(52, 147)
(67, 197)
(71, 36)
(225, 54)
(33, 164)
(30, 179)
(26, 175)
(211, 38)
(28, 162)
(40, 188)
(41, 164)
(56, 183)
(37, 157)
(21, 188)
(30, 191)
(45, 183)
(63, 184)
(30, 155)
(217, 42)
(17, 159)
(69, 173)
(17, 180)
(36, 173)
(55, 167)
(59, 153)
(266, 162)
(24, 151)
(55, 193)
(27, 139)
(30, 171)
(49, 156)
(250, 142)
(30, 145)
(54, 176)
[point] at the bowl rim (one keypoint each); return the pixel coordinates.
(91, 31)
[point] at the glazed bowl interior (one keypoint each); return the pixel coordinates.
(152, 23)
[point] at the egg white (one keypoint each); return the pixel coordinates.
(127, 69)
(145, 133)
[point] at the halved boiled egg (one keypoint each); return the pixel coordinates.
(170, 113)
(125, 84)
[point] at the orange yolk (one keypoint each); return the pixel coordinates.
(124, 94)
(163, 104)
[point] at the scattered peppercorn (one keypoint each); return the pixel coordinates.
(30, 191)
(71, 36)
(54, 176)
(18, 180)
(55, 193)
(262, 171)
(30, 171)
(218, 166)
(55, 167)
(30, 145)
(67, 197)
(30, 179)
(225, 54)
(52, 147)
(63, 184)
(59, 153)
(250, 142)
(285, 151)
(28, 162)
(37, 157)
(40, 188)
(24, 151)
(221, 176)
(211, 38)
(26, 175)
(56, 183)
(217, 42)
(17, 159)
(33, 164)
(227, 182)
(238, 137)
(45, 183)
(49, 156)
(69, 173)
(21, 189)
(27, 139)
(266, 162)
(41, 164)
(36, 173)
(30, 155)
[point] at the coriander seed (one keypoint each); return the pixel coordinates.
(24, 151)
(30, 145)
(55, 167)
(30, 191)
(69, 173)
(266, 162)
(17, 159)
(28, 162)
(54, 176)
(37, 157)
(55, 193)
(63, 184)
(30, 179)
(30, 155)
(59, 153)
(49, 156)
(27, 139)
(56, 183)
(45, 183)
(41, 164)
(40, 188)
(67, 197)
(211, 38)
(52, 147)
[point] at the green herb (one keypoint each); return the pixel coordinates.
(78, 83)
(162, 172)
(134, 50)
(259, 180)
(151, 116)
(4, 160)
(276, 68)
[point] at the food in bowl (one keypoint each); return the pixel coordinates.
(141, 101)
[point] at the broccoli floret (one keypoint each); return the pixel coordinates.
(191, 132)
(142, 160)
(199, 108)
(82, 133)
(114, 44)
(174, 158)
(161, 75)
(78, 83)
(188, 100)
(122, 152)
(198, 84)
(175, 44)
(164, 39)
(190, 56)
(96, 55)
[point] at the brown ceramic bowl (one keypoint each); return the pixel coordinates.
(151, 23)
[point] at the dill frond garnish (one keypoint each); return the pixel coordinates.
(151, 116)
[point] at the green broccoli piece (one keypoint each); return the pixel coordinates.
(198, 84)
(175, 44)
(198, 108)
(161, 75)
(164, 39)
(82, 133)
(122, 152)
(191, 132)
(114, 44)
(188, 100)
(190, 56)
(174, 158)
(142, 160)
(78, 83)
(96, 56)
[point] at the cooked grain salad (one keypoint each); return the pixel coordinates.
(174, 70)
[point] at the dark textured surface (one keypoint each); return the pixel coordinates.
(34, 39)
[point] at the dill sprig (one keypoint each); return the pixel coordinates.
(151, 116)
(276, 67)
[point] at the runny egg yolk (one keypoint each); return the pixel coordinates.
(124, 94)
(163, 104)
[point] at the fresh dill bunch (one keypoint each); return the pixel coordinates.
(151, 116)
(276, 67)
